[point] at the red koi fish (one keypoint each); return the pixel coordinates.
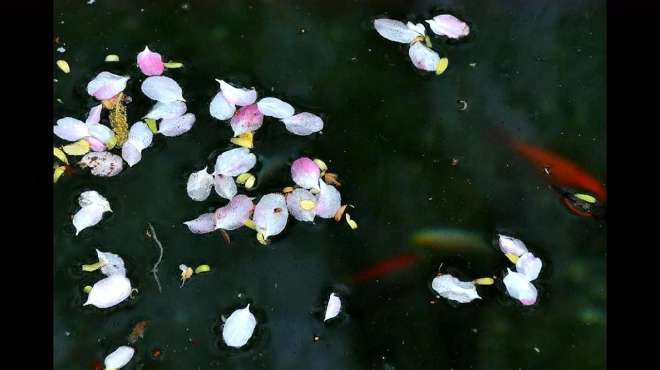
(385, 267)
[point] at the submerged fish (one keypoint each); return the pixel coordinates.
(385, 267)
(450, 240)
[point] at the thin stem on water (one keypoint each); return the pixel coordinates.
(154, 270)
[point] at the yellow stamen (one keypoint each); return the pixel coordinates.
(249, 184)
(586, 197)
(322, 166)
(112, 58)
(261, 239)
(93, 266)
(307, 205)
(87, 289)
(485, 281)
(442, 66)
(350, 222)
(250, 224)
(173, 65)
(513, 258)
(202, 268)
(242, 178)
(245, 140)
(63, 65)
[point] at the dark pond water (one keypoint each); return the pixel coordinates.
(391, 133)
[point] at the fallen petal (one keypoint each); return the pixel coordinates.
(80, 147)
(234, 162)
(423, 58)
(303, 124)
(177, 126)
(70, 129)
(237, 96)
(453, 289)
(106, 85)
(220, 108)
(448, 25)
(305, 173)
(202, 224)
(101, 132)
(224, 186)
(417, 27)
(112, 263)
(333, 308)
(271, 214)
(150, 63)
(199, 185)
(274, 107)
(328, 202)
(104, 164)
(239, 327)
(246, 119)
(95, 144)
(162, 89)
(140, 135)
(119, 358)
(519, 287)
(109, 291)
(394, 30)
(130, 153)
(93, 198)
(293, 203)
(167, 110)
(94, 115)
(86, 217)
(59, 154)
(512, 246)
(529, 265)
(234, 214)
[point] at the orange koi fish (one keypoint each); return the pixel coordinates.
(385, 267)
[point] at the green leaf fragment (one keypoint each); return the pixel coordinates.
(202, 268)
(151, 123)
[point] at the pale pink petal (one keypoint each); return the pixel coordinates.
(220, 108)
(176, 126)
(95, 144)
(70, 129)
(247, 118)
(94, 115)
(328, 202)
(423, 58)
(199, 185)
(511, 245)
(305, 173)
(293, 200)
(394, 30)
(234, 214)
(106, 85)
(162, 89)
(519, 287)
(130, 153)
(224, 186)
(237, 96)
(271, 214)
(235, 162)
(303, 124)
(109, 292)
(202, 224)
(101, 132)
(529, 265)
(448, 25)
(104, 164)
(453, 289)
(167, 110)
(140, 135)
(150, 63)
(274, 107)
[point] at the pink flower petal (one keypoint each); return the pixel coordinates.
(247, 118)
(232, 216)
(394, 30)
(106, 85)
(167, 110)
(303, 124)
(95, 144)
(224, 186)
(101, 132)
(202, 224)
(237, 96)
(274, 107)
(305, 173)
(103, 164)
(220, 108)
(448, 25)
(328, 202)
(70, 129)
(529, 265)
(94, 115)
(293, 200)
(162, 89)
(150, 63)
(176, 126)
(271, 214)
(519, 287)
(235, 162)
(423, 58)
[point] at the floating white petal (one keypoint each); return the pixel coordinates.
(202, 224)
(529, 265)
(131, 154)
(220, 108)
(417, 27)
(106, 85)
(423, 58)
(448, 25)
(293, 200)
(239, 327)
(519, 287)
(271, 214)
(303, 124)
(237, 96)
(305, 173)
(109, 291)
(224, 186)
(274, 107)
(113, 264)
(199, 185)
(394, 30)
(167, 110)
(92, 197)
(451, 288)
(235, 162)
(119, 358)
(104, 164)
(234, 214)
(87, 216)
(140, 135)
(333, 308)
(176, 126)
(328, 201)
(101, 132)
(94, 115)
(71, 129)
(162, 89)
(512, 245)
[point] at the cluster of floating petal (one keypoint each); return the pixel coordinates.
(519, 283)
(420, 52)
(239, 327)
(249, 117)
(113, 289)
(170, 106)
(228, 165)
(119, 358)
(313, 197)
(92, 207)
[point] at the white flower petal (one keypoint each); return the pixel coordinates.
(448, 25)
(109, 291)
(224, 186)
(130, 153)
(423, 58)
(394, 30)
(86, 217)
(512, 245)
(271, 214)
(234, 214)
(176, 126)
(114, 265)
(92, 197)
(328, 202)
(199, 185)
(167, 110)
(519, 287)
(203, 224)
(293, 200)
(237, 96)
(119, 358)
(453, 289)
(220, 108)
(333, 308)
(417, 27)
(274, 107)
(162, 89)
(303, 124)
(140, 135)
(94, 114)
(101, 132)
(235, 162)
(106, 85)
(104, 164)
(239, 327)
(71, 129)
(529, 265)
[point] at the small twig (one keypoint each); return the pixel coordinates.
(154, 270)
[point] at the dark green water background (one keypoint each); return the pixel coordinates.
(391, 133)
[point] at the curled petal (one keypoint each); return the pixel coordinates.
(202, 224)
(140, 135)
(303, 124)
(237, 96)
(305, 173)
(70, 129)
(239, 327)
(167, 110)
(150, 63)
(162, 89)
(519, 287)
(246, 119)
(95, 144)
(234, 214)
(106, 85)
(86, 217)
(423, 58)
(274, 107)
(271, 214)
(448, 25)
(328, 202)
(529, 265)
(94, 115)
(104, 164)
(220, 108)
(224, 186)
(453, 289)
(293, 203)
(512, 246)
(176, 126)
(109, 291)
(112, 263)
(235, 162)
(199, 185)
(101, 132)
(93, 198)
(131, 153)
(333, 307)
(394, 30)
(119, 358)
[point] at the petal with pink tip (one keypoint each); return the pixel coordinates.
(247, 118)
(328, 202)
(140, 135)
(303, 124)
(234, 214)
(529, 265)
(176, 126)
(274, 107)
(95, 144)
(224, 186)
(199, 185)
(94, 115)
(150, 63)
(167, 110)
(423, 58)
(271, 214)
(448, 25)
(293, 200)
(394, 30)
(305, 173)
(220, 108)
(70, 129)
(202, 224)
(162, 89)
(519, 287)
(106, 85)
(235, 162)
(511, 245)
(237, 96)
